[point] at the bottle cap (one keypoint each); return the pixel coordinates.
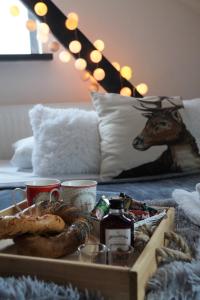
(116, 203)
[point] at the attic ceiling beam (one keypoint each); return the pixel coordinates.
(55, 18)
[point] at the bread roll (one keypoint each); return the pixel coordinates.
(10, 226)
(55, 246)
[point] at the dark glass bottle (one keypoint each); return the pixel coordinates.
(116, 228)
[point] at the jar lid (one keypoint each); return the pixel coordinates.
(116, 203)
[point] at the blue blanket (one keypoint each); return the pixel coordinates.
(139, 189)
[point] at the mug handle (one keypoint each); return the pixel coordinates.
(51, 194)
(14, 197)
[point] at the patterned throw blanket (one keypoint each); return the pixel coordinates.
(178, 280)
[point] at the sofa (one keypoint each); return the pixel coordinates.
(15, 125)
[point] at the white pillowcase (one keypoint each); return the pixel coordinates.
(66, 141)
(119, 124)
(22, 158)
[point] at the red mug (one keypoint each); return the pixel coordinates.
(37, 190)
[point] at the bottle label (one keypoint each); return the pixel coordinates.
(118, 237)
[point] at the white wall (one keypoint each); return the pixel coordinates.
(159, 39)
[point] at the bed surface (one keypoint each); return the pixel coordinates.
(10, 176)
(141, 189)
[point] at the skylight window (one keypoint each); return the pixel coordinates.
(14, 36)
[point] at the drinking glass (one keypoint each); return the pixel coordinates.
(93, 253)
(120, 255)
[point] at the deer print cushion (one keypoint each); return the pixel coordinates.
(143, 137)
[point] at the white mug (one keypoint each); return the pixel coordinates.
(78, 193)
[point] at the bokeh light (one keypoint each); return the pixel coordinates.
(41, 9)
(99, 44)
(64, 56)
(14, 10)
(142, 88)
(126, 72)
(95, 56)
(116, 65)
(94, 87)
(125, 91)
(31, 25)
(80, 64)
(53, 46)
(99, 74)
(75, 46)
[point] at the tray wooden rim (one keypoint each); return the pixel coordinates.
(136, 276)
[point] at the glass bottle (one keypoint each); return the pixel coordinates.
(116, 228)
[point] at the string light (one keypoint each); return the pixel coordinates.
(14, 10)
(41, 9)
(75, 46)
(142, 88)
(99, 74)
(54, 46)
(93, 87)
(64, 56)
(43, 28)
(126, 72)
(72, 22)
(95, 56)
(85, 76)
(116, 65)
(92, 79)
(31, 25)
(80, 64)
(73, 15)
(125, 91)
(99, 44)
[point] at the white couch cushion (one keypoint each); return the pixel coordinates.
(22, 158)
(66, 141)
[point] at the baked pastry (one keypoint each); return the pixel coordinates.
(54, 246)
(10, 226)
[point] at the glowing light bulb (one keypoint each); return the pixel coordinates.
(125, 91)
(75, 46)
(71, 24)
(142, 88)
(40, 9)
(14, 10)
(126, 72)
(92, 79)
(64, 56)
(73, 15)
(85, 76)
(93, 87)
(80, 64)
(95, 56)
(99, 44)
(54, 46)
(116, 65)
(99, 74)
(43, 28)
(31, 25)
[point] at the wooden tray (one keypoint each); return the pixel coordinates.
(114, 282)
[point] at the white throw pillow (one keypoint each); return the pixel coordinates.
(66, 141)
(22, 158)
(143, 139)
